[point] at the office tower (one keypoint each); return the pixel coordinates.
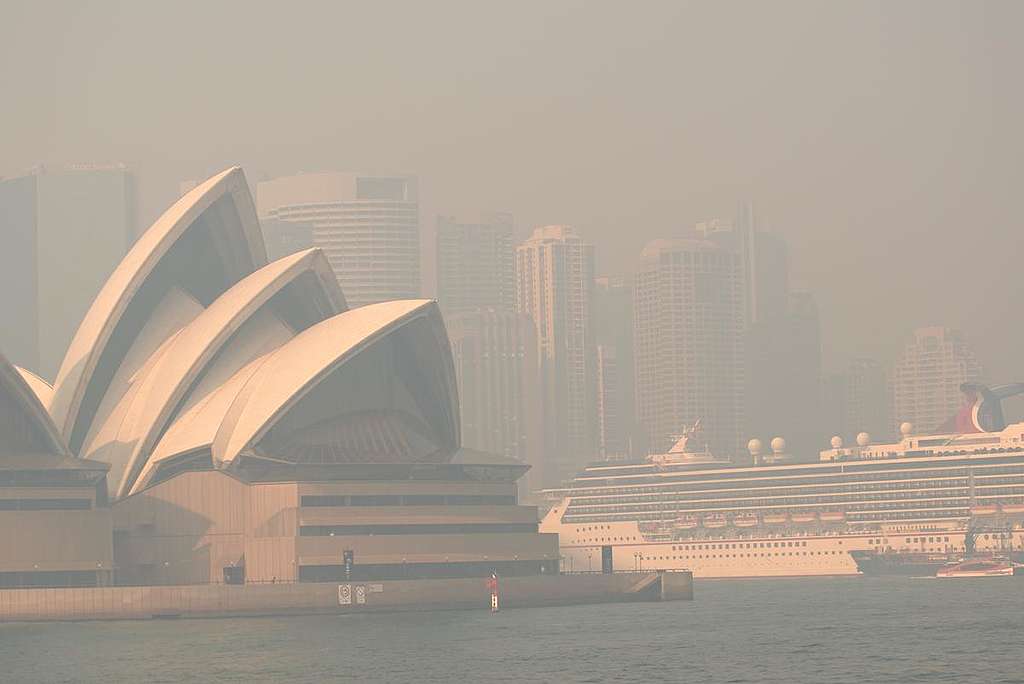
(495, 355)
(63, 231)
(612, 313)
(476, 264)
(689, 311)
(285, 237)
(926, 379)
(783, 389)
(555, 285)
(867, 401)
(611, 444)
(764, 258)
(368, 226)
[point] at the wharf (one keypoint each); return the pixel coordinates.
(222, 600)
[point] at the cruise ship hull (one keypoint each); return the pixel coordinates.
(747, 554)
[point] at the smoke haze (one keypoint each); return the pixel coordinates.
(881, 139)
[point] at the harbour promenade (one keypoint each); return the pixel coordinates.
(223, 600)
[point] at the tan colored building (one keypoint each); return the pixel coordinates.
(689, 312)
(296, 525)
(253, 424)
(55, 521)
(555, 286)
(926, 380)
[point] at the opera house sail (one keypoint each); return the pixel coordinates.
(257, 429)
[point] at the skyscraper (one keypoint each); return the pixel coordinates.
(867, 401)
(495, 354)
(926, 379)
(368, 226)
(783, 388)
(63, 231)
(764, 258)
(610, 434)
(613, 329)
(476, 264)
(689, 311)
(555, 285)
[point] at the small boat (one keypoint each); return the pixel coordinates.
(982, 567)
(775, 518)
(1013, 508)
(715, 521)
(984, 510)
(833, 516)
(686, 522)
(804, 517)
(746, 520)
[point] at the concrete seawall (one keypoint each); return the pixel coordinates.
(111, 603)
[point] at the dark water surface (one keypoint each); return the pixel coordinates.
(805, 630)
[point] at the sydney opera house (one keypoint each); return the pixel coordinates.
(219, 418)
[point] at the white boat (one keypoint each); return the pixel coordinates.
(746, 520)
(715, 521)
(803, 517)
(868, 497)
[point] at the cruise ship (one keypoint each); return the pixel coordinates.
(687, 509)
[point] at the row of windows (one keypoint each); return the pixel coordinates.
(847, 472)
(946, 477)
(745, 555)
(316, 501)
(45, 504)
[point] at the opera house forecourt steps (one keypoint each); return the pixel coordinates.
(226, 435)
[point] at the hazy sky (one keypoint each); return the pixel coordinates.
(882, 139)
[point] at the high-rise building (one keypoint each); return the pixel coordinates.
(783, 388)
(613, 329)
(555, 285)
(926, 379)
(63, 231)
(285, 237)
(764, 258)
(368, 226)
(689, 311)
(867, 401)
(495, 355)
(476, 264)
(611, 444)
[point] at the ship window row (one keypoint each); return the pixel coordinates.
(848, 471)
(740, 545)
(837, 479)
(988, 492)
(815, 502)
(769, 506)
(882, 514)
(744, 555)
(943, 480)
(757, 495)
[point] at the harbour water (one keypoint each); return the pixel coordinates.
(836, 630)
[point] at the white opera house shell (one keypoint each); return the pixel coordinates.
(197, 354)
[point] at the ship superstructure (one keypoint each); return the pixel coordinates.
(686, 509)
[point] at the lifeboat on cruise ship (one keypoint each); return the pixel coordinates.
(686, 522)
(804, 517)
(775, 518)
(1012, 508)
(984, 510)
(715, 521)
(833, 516)
(746, 520)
